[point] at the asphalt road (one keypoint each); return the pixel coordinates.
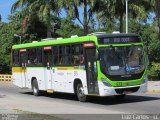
(67, 106)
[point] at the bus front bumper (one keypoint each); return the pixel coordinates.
(110, 91)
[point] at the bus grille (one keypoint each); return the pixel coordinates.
(126, 90)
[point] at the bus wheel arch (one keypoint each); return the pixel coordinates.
(33, 78)
(35, 87)
(79, 90)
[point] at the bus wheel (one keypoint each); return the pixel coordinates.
(35, 88)
(80, 93)
(120, 97)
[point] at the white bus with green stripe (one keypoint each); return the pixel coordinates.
(97, 65)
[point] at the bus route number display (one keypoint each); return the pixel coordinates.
(115, 40)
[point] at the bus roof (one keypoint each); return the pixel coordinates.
(54, 42)
(117, 35)
(71, 40)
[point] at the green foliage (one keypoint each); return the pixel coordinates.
(81, 10)
(34, 29)
(149, 36)
(114, 10)
(6, 41)
(68, 28)
(156, 66)
(34, 19)
(153, 70)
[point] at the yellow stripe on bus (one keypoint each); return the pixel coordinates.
(66, 69)
(50, 91)
(18, 69)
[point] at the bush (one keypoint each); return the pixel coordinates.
(5, 69)
(154, 71)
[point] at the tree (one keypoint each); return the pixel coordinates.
(0, 18)
(41, 8)
(67, 28)
(149, 36)
(157, 6)
(7, 31)
(73, 8)
(34, 29)
(105, 15)
(115, 9)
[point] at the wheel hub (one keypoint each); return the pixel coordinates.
(35, 89)
(81, 92)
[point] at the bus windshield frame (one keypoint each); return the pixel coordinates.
(122, 60)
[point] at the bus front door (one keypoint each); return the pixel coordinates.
(23, 59)
(91, 70)
(48, 68)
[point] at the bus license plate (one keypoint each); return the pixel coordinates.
(127, 92)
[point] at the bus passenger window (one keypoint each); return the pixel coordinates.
(76, 59)
(55, 55)
(32, 56)
(60, 55)
(66, 57)
(16, 58)
(48, 58)
(81, 59)
(39, 56)
(77, 54)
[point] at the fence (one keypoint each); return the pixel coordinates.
(5, 78)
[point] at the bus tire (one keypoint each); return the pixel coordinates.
(80, 93)
(35, 88)
(120, 97)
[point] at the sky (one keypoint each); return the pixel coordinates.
(5, 9)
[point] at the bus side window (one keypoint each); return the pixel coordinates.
(55, 55)
(32, 57)
(81, 59)
(72, 54)
(66, 56)
(77, 54)
(60, 55)
(16, 61)
(48, 57)
(39, 56)
(81, 55)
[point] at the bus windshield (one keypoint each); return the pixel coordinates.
(121, 60)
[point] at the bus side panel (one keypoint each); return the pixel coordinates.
(82, 76)
(64, 81)
(38, 73)
(16, 77)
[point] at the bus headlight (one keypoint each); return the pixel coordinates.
(105, 82)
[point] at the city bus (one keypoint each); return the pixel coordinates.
(98, 64)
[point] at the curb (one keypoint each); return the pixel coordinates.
(6, 82)
(153, 91)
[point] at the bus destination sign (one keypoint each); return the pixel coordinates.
(118, 40)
